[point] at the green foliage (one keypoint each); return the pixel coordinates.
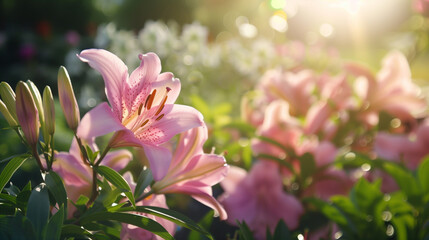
(117, 180)
(136, 220)
(38, 209)
(56, 187)
(11, 168)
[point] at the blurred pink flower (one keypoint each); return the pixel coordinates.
(72, 38)
(294, 88)
(129, 231)
(258, 199)
(335, 97)
(392, 90)
(279, 126)
(193, 172)
(409, 149)
(141, 107)
(77, 175)
(422, 6)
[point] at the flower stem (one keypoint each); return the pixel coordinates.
(94, 192)
(145, 195)
(106, 150)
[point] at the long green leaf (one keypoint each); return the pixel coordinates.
(117, 180)
(11, 168)
(245, 232)
(144, 180)
(170, 215)
(56, 187)
(134, 219)
(70, 230)
(53, 229)
(38, 208)
(423, 175)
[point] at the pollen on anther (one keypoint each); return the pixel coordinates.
(140, 109)
(144, 123)
(150, 99)
(159, 117)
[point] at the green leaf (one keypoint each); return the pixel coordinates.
(308, 165)
(10, 169)
(136, 220)
(70, 230)
(205, 222)
(282, 231)
(9, 198)
(56, 187)
(117, 180)
(22, 200)
(423, 175)
(244, 231)
(145, 178)
(27, 187)
(170, 215)
(404, 178)
(38, 208)
(91, 155)
(365, 196)
(53, 229)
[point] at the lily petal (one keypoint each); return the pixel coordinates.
(114, 72)
(178, 118)
(159, 160)
(99, 121)
(117, 159)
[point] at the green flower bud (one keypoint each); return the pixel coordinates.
(49, 111)
(3, 109)
(8, 97)
(67, 99)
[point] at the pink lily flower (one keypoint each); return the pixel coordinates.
(129, 231)
(294, 88)
(409, 149)
(77, 175)
(193, 172)
(141, 110)
(392, 90)
(258, 199)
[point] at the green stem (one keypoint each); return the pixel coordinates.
(145, 195)
(106, 150)
(85, 158)
(94, 192)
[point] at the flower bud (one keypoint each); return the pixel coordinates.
(3, 109)
(67, 99)
(49, 111)
(28, 116)
(8, 97)
(38, 101)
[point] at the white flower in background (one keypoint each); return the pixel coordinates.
(73, 64)
(104, 35)
(194, 38)
(124, 45)
(240, 58)
(157, 37)
(212, 56)
(263, 51)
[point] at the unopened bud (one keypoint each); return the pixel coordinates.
(49, 111)
(7, 115)
(8, 97)
(67, 99)
(38, 101)
(28, 116)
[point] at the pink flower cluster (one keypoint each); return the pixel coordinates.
(141, 113)
(322, 115)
